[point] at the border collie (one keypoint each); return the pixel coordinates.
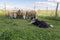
(39, 23)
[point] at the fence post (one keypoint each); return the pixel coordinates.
(56, 13)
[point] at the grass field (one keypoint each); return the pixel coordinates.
(47, 13)
(19, 29)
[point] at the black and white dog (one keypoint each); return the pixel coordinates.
(39, 23)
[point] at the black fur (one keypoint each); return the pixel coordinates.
(41, 24)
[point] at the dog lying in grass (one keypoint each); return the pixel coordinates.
(39, 23)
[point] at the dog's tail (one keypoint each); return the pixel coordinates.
(51, 26)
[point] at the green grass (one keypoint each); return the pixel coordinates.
(19, 29)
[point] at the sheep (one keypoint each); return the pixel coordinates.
(12, 14)
(31, 13)
(15, 15)
(21, 14)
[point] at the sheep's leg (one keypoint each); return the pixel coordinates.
(24, 16)
(11, 15)
(15, 15)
